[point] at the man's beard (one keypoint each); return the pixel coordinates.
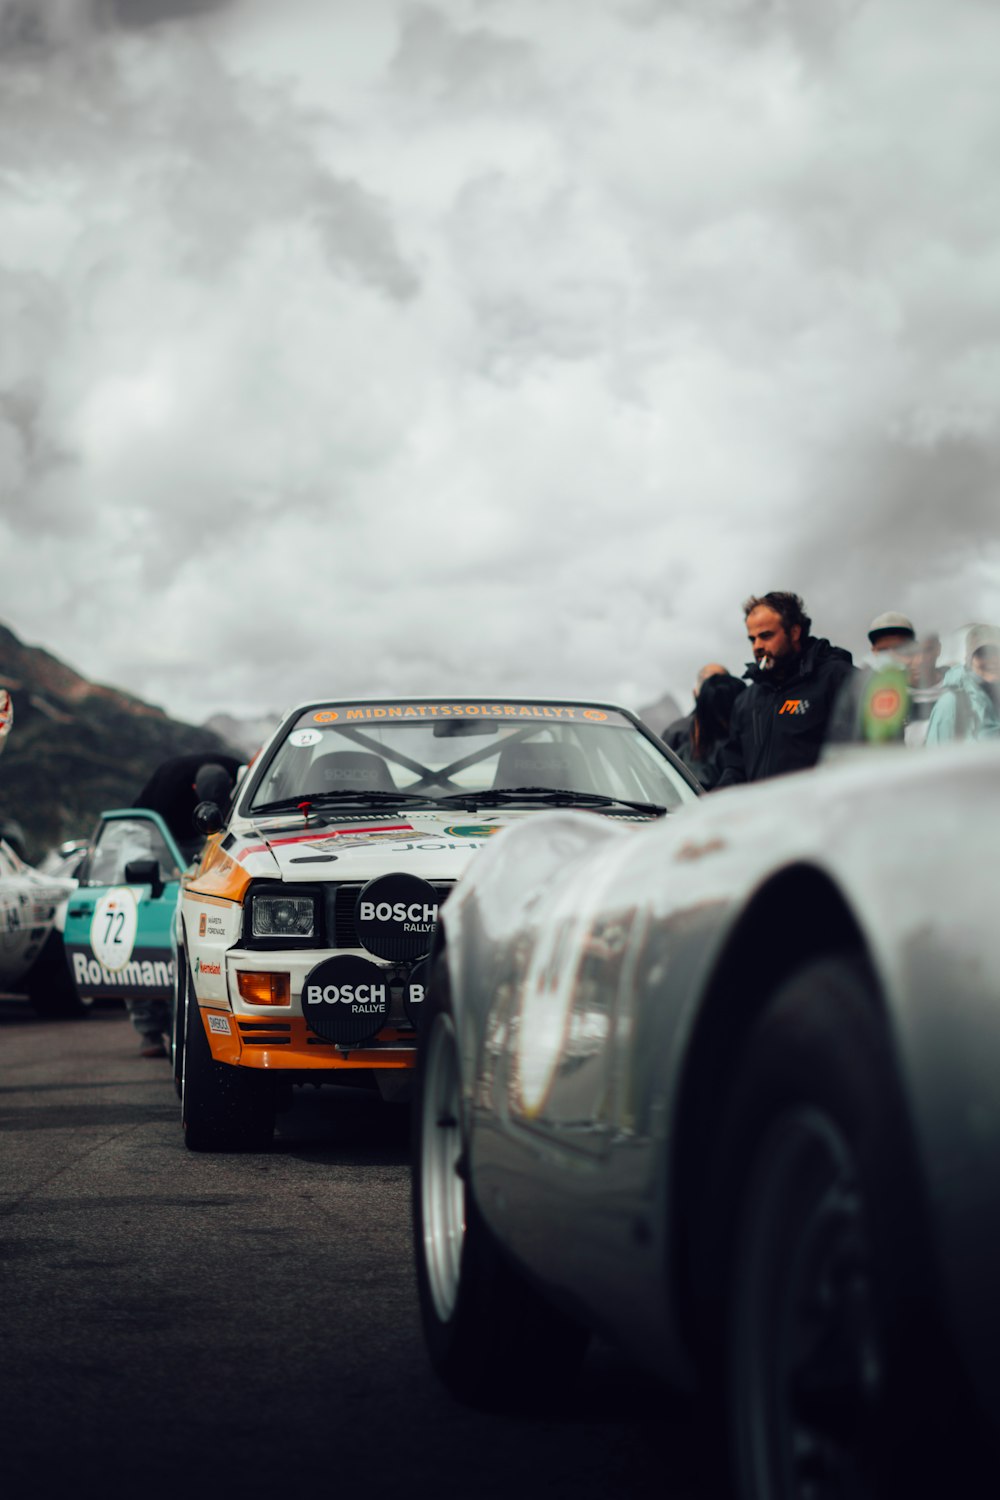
(777, 667)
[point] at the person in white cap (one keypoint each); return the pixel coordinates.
(969, 705)
(875, 705)
(893, 642)
(889, 632)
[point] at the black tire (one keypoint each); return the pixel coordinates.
(832, 1349)
(223, 1108)
(178, 1023)
(50, 986)
(491, 1338)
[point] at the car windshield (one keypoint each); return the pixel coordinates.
(436, 751)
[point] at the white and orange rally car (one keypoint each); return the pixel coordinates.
(302, 930)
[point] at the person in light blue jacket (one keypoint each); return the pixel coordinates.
(969, 705)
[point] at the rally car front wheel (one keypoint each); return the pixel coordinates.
(50, 986)
(223, 1108)
(178, 1021)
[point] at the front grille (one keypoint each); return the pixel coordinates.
(342, 900)
(373, 1044)
(265, 1033)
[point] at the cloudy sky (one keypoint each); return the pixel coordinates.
(366, 346)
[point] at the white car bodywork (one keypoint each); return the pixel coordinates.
(356, 819)
(31, 905)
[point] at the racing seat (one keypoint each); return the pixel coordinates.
(543, 765)
(349, 770)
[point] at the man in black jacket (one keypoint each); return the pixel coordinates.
(780, 722)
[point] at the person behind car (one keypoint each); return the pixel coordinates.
(780, 722)
(677, 736)
(926, 687)
(213, 783)
(710, 722)
(969, 705)
(875, 703)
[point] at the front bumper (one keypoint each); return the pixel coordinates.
(278, 1038)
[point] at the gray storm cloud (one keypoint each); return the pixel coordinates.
(417, 345)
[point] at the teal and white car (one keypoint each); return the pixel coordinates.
(120, 919)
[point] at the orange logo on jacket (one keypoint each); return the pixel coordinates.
(794, 706)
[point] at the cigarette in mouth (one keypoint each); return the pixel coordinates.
(766, 663)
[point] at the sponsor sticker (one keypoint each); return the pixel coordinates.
(201, 967)
(346, 999)
(328, 839)
(567, 713)
(337, 841)
(10, 927)
(6, 714)
(202, 925)
(147, 974)
(220, 1024)
(474, 830)
(414, 991)
(396, 916)
(434, 846)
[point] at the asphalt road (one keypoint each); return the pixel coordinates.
(194, 1326)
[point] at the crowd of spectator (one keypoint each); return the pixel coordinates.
(801, 698)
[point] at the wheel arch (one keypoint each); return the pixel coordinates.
(815, 918)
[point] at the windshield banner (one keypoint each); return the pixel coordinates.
(565, 713)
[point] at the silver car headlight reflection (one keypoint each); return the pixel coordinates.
(284, 916)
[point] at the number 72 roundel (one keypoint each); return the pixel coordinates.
(118, 932)
(114, 926)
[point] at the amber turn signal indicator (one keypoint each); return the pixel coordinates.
(265, 989)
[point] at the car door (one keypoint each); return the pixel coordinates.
(120, 918)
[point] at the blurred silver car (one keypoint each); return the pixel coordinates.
(725, 1090)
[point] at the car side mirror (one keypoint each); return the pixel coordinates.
(207, 817)
(145, 872)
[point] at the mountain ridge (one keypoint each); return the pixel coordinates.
(78, 747)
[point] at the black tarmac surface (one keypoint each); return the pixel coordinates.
(192, 1326)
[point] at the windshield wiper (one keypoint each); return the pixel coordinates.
(342, 795)
(474, 801)
(553, 795)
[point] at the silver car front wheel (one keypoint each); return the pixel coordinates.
(442, 1191)
(492, 1339)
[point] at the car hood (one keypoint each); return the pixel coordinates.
(432, 845)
